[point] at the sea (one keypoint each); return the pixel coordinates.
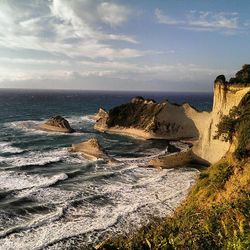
(53, 199)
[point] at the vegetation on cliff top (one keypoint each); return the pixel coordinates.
(216, 213)
(136, 114)
(242, 77)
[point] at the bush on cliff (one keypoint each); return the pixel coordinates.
(227, 126)
(242, 76)
(138, 115)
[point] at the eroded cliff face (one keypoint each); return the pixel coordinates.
(225, 97)
(151, 120)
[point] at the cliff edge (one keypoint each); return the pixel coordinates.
(147, 119)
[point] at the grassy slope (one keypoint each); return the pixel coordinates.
(216, 213)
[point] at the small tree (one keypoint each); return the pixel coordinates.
(227, 126)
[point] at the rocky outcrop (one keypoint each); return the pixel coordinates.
(150, 120)
(178, 159)
(92, 150)
(102, 113)
(57, 124)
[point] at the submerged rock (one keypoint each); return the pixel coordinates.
(92, 150)
(57, 124)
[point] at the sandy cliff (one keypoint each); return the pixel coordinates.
(225, 97)
(150, 120)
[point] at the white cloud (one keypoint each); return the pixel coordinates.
(113, 14)
(26, 61)
(212, 20)
(202, 20)
(70, 27)
(165, 19)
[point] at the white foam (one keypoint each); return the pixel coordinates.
(11, 180)
(35, 222)
(80, 119)
(27, 124)
(42, 158)
(31, 127)
(88, 118)
(6, 147)
(152, 192)
(142, 160)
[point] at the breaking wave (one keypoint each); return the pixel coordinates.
(37, 158)
(7, 147)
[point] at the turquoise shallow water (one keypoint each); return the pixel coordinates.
(52, 199)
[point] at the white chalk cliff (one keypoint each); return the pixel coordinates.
(225, 97)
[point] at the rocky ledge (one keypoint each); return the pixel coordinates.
(57, 124)
(92, 150)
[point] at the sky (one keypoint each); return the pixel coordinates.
(149, 45)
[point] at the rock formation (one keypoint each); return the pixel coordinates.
(57, 124)
(92, 150)
(151, 120)
(100, 114)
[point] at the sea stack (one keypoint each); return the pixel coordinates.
(57, 124)
(92, 150)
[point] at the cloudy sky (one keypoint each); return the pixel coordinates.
(160, 45)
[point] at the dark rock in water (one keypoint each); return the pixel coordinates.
(57, 124)
(221, 79)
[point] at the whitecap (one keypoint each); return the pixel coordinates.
(7, 147)
(35, 222)
(11, 180)
(26, 124)
(79, 119)
(42, 158)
